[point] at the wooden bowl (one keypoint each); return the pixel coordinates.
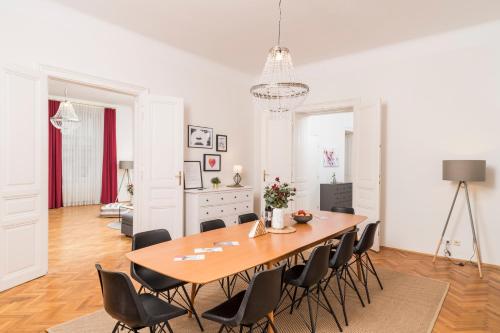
(302, 219)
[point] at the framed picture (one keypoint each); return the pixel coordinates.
(200, 137)
(221, 142)
(330, 158)
(211, 162)
(192, 175)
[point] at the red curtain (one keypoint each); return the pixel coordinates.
(109, 163)
(55, 160)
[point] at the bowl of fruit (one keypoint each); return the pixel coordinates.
(302, 216)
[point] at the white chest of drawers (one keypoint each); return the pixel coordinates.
(224, 203)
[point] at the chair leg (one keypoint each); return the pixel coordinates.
(342, 297)
(293, 299)
(221, 328)
(115, 329)
(311, 319)
(191, 307)
(354, 286)
(170, 328)
(364, 275)
(374, 271)
(330, 308)
(328, 280)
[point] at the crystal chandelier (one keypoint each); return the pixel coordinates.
(278, 90)
(65, 118)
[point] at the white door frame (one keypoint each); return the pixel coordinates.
(107, 84)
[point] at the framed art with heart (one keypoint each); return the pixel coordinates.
(211, 162)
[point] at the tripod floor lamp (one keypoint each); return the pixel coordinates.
(127, 166)
(464, 171)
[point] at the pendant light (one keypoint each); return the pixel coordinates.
(278, 90)
(65, 118)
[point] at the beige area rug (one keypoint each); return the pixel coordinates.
(407, 304)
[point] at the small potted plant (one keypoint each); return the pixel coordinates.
(277, 196)
(215, 182)
(130, 190)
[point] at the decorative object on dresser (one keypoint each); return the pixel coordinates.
(237, 176)
(335, 195)
(277, 196)
(221, 142)
(211, 162)
(209, 204)
(200, 137)
(192, 175)
(215, 182)
(464, 171)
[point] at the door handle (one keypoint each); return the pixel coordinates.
(179, 176)
(264, 174)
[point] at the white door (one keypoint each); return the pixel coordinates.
(276, 148)
(159, 141)
(366, 185)
(23, 176)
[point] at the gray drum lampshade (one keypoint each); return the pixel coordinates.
(464, 170)
(126, 165)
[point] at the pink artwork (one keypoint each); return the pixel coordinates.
(330, 159)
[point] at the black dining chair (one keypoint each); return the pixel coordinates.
(250, 306)
(156, 283)
(212, 225)
(308, 277)
(363, 258)
(339, 265)
(345, 210)
(245, 218)
(134, 311)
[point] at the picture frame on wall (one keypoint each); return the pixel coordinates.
(221, 142)
(200, 137)
(193, 178)
(211, 162)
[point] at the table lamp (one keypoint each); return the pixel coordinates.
(237, 177)
(463, 171)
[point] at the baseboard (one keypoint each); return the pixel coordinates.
(439, 256)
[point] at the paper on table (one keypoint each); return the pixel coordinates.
(191, 257)
(207, 249)
(233, 243)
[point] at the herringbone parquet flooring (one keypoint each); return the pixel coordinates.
(78, 239)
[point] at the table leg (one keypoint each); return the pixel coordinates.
(194, 287)
(358, 263)
(269, 265)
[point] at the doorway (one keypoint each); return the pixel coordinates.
(322, 164)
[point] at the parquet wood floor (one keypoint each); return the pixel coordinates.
(78, 239)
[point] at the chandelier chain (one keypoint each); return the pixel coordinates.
(279, 25)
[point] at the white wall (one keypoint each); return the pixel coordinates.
(43, 32)
(441, 101)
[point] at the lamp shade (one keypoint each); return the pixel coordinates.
(237, 168)
(126, 165)
(464, 170)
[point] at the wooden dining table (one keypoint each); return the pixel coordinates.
(267, 250)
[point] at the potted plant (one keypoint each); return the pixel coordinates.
(277, 196)
(130, 190)
(215, 182)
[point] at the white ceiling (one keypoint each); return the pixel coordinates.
(238, 33)
(87, 93)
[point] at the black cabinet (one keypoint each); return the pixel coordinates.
(335, 195)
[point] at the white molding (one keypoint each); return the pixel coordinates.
(93, 81)
(329, 106)
(86, 102)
